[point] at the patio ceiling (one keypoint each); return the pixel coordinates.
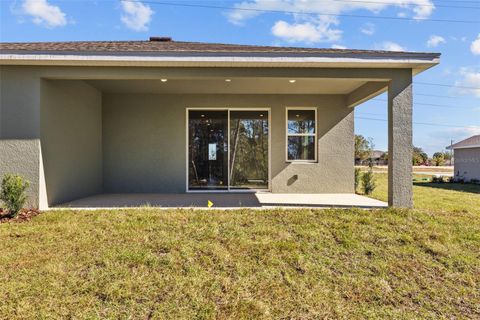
(231, 86)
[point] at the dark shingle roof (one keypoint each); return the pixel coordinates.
(163, 47)
(472, 141)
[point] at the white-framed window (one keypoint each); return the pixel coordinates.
(301, 129)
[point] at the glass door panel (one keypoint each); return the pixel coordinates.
(248, 150)
(207, 150)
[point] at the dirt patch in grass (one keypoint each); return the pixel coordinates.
(23, 216)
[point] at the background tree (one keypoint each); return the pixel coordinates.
(363, 148)
(438, 159)
(419, 156)
(448, 155)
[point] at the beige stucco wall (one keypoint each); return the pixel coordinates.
(71, 139)
(20, 128)
(20, 148)
(144, 141)
(467, 163)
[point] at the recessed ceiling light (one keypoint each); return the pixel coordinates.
(203, 116)
(292, 81)
(228, 80)
(297, 115)
(261, 115)
(164, 80)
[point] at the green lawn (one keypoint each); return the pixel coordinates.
(295, 264)
(445, 197)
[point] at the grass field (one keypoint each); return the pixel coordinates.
(418, 169)
(435, 197)
(295, 264)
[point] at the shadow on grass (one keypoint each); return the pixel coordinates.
(460, 187)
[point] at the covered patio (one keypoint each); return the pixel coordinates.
(113, 124)
(257, 200)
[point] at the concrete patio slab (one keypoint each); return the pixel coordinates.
(258, 200)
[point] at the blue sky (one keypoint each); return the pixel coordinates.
(454, 110)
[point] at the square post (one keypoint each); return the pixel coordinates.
(400, 146)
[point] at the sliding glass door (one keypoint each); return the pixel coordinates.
(248, 150)
(228, 149)
(208, 150)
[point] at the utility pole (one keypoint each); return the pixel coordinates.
(451, 151)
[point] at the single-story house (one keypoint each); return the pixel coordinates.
(467, 159)
(377, 158)
(164, 116)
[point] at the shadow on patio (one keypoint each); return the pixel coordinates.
(225, 200)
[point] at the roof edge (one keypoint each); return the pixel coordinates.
(186, 53)
(212, 60)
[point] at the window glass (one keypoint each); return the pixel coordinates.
(301, 121)
(248, 149)
(301, 134)
(301, 148)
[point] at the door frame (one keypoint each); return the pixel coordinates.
(228, 109)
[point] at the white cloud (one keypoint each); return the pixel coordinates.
(435, 41)
(368, 29)
(420, 8)
(309, 32)
(462, 39)
(470, 82)
(136, 15)
(44, 13)
(475, 46)
(338, 46)
(390, 46)
(320, 30)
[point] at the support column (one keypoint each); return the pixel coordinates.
(400, 147)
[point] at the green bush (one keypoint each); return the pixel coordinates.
(438, 179)
(358, 174)
(12, 193)
(368, 182)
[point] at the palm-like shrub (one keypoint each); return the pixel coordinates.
(358, 174)
(12, 193)
(368, 182)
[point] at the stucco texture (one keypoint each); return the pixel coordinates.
(21, 156)
(467, 163)
(71, 140)
(144, 141)
(20, 127)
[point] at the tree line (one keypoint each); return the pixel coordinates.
(364, 152)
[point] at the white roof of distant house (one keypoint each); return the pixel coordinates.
(472, 142)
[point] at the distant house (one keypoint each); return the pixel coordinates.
(467, 158)
(378, 159)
